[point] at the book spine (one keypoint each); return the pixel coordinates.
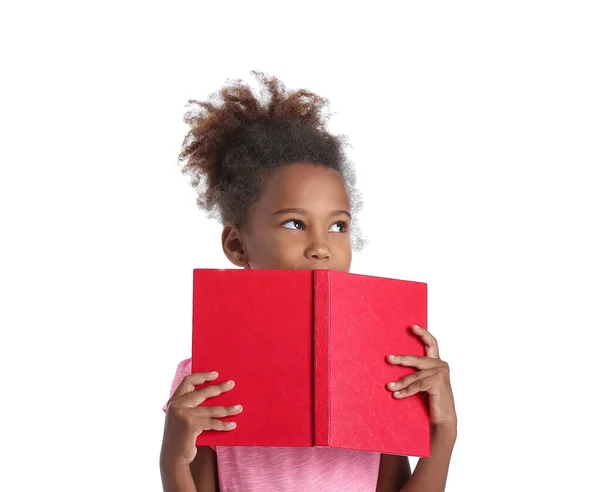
(321, 358)
(195, 281)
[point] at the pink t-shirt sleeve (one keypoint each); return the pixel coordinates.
(184, 368)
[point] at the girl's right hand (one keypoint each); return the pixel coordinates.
(185, 420)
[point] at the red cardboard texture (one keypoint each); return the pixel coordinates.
(307, 351)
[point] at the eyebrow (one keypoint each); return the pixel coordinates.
(301, 211)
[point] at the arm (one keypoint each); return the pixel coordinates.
(176, 478)
(184, 466)
(199, 476)
(394, 472)
(204, 470)
(430, 473)
(432, 377)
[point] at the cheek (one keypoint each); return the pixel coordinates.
(342, 243)
(344, 260)
(341, 252)
(275, 251)
(281, 241)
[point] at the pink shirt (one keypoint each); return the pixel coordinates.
(269, 469)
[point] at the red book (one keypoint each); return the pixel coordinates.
(307, 351)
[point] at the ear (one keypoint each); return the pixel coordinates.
(233, 246)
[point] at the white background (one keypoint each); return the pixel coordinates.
(475, 131)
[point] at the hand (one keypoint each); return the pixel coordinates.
(433, 377)
(185, 420)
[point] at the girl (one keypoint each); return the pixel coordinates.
(283, 188)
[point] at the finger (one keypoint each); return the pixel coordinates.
(415, 361)
(217, 425)
(204, 412)
(421, 385)
(431, 345)
(199, 396)
(411, 378)
(190, 382)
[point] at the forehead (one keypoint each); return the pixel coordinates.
(305, 185)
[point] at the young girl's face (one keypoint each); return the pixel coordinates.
(301, 222)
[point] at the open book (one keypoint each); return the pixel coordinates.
(307, 351)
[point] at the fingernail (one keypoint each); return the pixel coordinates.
(231, 425)
(237, 407)
(391, 385)
(391, 358)
(397, 394)
(213, 374)
(417, 327)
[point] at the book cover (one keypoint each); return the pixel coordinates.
(307, 352)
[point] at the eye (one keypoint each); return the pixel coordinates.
(339, 227)
(295, 225)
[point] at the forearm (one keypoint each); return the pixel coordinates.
(431, 473)
(177, 478)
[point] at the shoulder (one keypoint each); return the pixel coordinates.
(184, 368)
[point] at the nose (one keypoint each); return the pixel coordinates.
(318, 249)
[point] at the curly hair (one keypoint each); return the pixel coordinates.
(237, 138)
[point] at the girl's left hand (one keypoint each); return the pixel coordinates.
(432, 376)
